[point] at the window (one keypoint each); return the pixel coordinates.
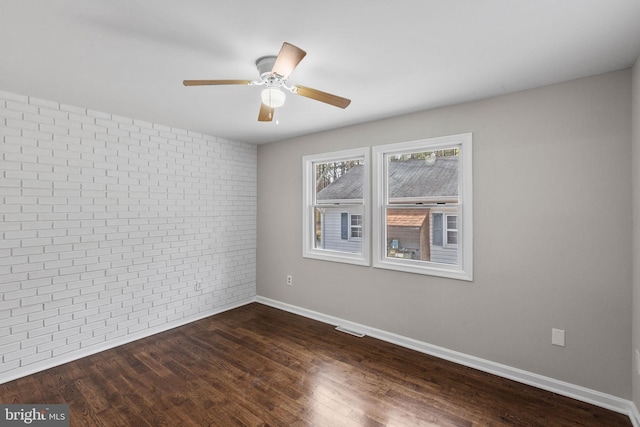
(451, 233)
(350, 226)
(422, 217)
(336, 194)
(356, 226)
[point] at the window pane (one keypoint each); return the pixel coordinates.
(413, 233)
(333, 231)
(451, 221)
(423, 177)
(339, 182)
(408, 233)
(356, 226)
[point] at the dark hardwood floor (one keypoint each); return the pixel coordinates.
(257, 365)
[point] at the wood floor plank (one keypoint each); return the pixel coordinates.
(259, 366)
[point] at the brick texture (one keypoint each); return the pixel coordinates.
(114, 227)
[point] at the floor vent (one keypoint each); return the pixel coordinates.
(349, 331)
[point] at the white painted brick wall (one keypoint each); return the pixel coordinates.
(107, 222)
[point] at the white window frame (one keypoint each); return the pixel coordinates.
(464, 269)
(309, 203)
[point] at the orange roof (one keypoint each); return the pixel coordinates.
(406, 217)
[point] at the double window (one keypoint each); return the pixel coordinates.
(421, 211)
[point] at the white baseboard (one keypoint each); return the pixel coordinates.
(79, 354)
(583, 394)
(634, 415)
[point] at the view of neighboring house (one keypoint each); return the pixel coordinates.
(339, 220)
(423, 227)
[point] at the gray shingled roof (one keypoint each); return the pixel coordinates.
(416, 179)
(408, 179)
(347, 187)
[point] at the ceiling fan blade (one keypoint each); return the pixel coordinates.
(215, 82)
(288, 59)
(325, 97)
(266, 113)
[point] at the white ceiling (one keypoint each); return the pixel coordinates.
(129, 57)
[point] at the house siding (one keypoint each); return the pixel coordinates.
(113, 228)
(440, 252)
(444, 255)
(332, 227)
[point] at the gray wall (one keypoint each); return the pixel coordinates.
(552, 235)
(636, 228)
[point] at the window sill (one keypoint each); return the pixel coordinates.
(419, 267)
(335, 256)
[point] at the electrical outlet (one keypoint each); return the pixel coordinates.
(198, 286)
(289, 280)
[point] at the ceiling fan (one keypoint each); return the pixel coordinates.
(274, 72)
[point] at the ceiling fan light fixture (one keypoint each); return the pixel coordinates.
(273, 97)
(274, 72)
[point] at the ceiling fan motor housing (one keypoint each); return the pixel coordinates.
(265, 65)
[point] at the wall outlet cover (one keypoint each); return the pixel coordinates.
(557, 337)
